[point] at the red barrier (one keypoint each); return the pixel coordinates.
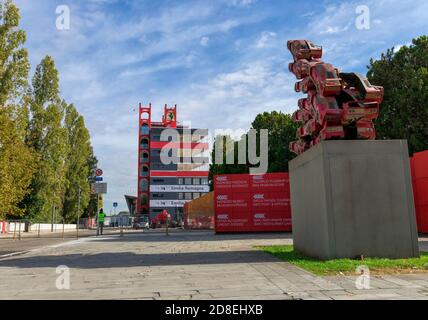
(252, 203)
(199, 223)
(419, 166)
(3, 227)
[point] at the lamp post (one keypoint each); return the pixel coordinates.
(78, 213)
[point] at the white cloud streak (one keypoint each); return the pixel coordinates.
(221, 62)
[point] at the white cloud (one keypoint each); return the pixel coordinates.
(240, 3)
(110, 61)
(265, 39)
(204, 41)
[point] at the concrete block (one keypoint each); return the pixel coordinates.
(352, 198)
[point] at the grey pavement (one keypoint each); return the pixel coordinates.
(185, 265)
(10, 245)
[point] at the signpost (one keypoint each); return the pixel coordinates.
(99, 188)
(78, 213)
(100, 201)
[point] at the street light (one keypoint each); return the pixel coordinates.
(78, 213)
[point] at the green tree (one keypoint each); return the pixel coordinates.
(220, 166)
(17, 163)
(16, 159)
(78, 166)
(48, 137)
(404, 75)
(282, 131)
(14, 65)
(91, 209)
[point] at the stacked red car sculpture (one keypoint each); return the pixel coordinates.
(338, 106)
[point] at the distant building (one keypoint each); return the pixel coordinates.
(123, 218)
(163, 185)
(131, 202)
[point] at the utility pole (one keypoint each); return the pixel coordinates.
(52, 225)
(78, 213)
(99, 174)
(98, 210)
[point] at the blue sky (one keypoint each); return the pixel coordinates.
(222, 62)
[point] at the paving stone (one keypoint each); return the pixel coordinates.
(400, 282)
(188, 265)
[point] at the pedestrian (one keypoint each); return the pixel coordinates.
(101, 219)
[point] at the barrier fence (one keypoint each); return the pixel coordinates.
(22, 229)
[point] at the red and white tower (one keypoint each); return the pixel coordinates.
(143, 202)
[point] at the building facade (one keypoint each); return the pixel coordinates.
(173, 164)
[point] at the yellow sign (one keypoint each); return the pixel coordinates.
(170, 116)
(100, 201)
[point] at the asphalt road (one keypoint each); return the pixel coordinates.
(28, 242)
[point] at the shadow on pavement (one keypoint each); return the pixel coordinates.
(190, 236)
(130, 259)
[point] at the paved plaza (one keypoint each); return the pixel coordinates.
(185, 265)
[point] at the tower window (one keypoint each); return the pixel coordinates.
(145, 130)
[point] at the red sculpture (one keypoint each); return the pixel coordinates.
(338, 106)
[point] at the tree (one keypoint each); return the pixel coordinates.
(16, 164)
(78, 166)
(404, 111)
(48, 137)
(16, 159)
(14, 65)
(282, 130)
(226, 168)
(91, 209)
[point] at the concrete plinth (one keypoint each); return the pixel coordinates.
(352, 198)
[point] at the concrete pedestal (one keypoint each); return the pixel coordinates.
(352, 198)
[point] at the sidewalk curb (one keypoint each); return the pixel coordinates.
(13, 254)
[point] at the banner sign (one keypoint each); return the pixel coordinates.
(419, 167)
(179, 188)
(252, 203)
(167, 203)
(99, 188)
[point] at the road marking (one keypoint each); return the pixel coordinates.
(13, 254)
(58, 245)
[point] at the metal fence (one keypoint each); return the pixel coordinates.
(22, 229)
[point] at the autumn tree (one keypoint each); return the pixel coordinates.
(92, 207)
(17, 161)
(48, 138)
(78, 166)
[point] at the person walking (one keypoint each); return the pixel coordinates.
(101, 219)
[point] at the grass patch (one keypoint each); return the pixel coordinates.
(348, 266)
